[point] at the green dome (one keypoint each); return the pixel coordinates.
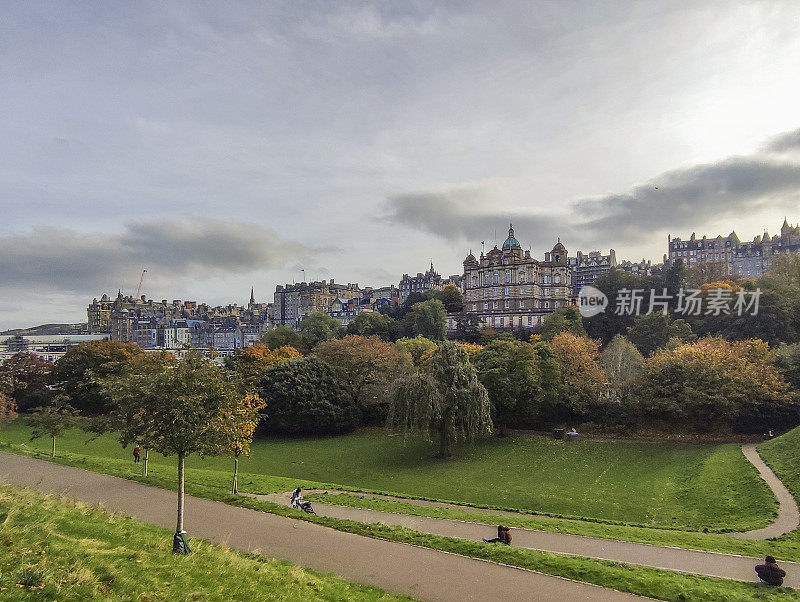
(511, 242)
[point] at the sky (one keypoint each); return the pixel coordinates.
(224, 145)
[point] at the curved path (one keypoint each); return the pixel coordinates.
(788, 513)
(399, 568)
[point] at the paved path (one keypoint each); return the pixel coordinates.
(399, 568)
(713, 564)
(788, 513)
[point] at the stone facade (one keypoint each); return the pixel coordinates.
(293, 302)
(422, 283)
(508, 289)
(588, 267)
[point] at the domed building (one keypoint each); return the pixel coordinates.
(510, 290)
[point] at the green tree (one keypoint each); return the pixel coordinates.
(418, 348)
(451, 298)
(621, 362)
(445, 400)
(428, 319)
(787, 358)
(369, 324)
(282, 336)
(704, 273)
(652, 331)
(175, 408)
(52, 420)
(365, 367)
(468, 327)
(25, 378)
(566, 319)
(552, 391)
(76, 375)
(304, 397)
(318, 327)
(510, 372)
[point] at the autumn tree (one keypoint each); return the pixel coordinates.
(236, 424)
(249, 363)
(707, 384)
(52, 420)
(509, 370)
(581, 375)
(75, 376)
(283, 336)
(8, 409)
(621, 362)
(445, 399)
(318, 327)
(451, 298)
(304, 397)
(418, 348)
(365, 366)
(25, 377)
(175, 408)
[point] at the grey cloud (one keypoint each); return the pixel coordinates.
(58, 259)
(673, 201)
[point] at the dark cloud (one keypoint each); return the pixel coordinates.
(66, 260)
(673, 201)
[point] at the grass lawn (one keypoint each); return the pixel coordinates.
(57, 549)
(663, 485)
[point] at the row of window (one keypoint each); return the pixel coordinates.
(507, 305)
(490, 278)
(548, 292)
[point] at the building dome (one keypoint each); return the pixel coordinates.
(511, 242)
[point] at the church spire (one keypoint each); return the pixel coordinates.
(252, 296)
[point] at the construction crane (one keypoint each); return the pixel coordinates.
(139, 289)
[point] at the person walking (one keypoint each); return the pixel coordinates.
(770, 573)
(137, 453)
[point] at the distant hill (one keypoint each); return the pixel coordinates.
(49, 329)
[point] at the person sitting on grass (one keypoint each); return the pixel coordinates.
(770, 573)
(503, 536)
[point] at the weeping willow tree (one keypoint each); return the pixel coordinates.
(444, 399)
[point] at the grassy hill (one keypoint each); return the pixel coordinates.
(54, 549)
(48, 329)
(783, 456)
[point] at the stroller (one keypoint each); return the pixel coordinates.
(299, 502)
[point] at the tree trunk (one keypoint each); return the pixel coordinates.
(235, 488)
(444, 440)
(53, 453)
(181, 458)
(144, 463)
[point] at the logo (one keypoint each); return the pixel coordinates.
(591, 301)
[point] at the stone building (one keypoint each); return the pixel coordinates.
(293, 302)
(422, 283)
(642, 268)
(745, 259)
(509, 289)
(588, 267)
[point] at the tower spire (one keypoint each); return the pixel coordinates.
(252, 296)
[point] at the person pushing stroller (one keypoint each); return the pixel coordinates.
(298, 502)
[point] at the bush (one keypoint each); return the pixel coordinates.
(304, 398)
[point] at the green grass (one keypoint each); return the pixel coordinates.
(664, 485)
(57, 549)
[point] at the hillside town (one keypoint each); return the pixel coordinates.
(504, 288)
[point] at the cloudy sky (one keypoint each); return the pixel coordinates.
(221, 145)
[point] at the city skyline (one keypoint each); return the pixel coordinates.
(226, 148)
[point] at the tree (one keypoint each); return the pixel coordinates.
(25, 377)
(428, 319)
(468, 327)
(249, 363)
(581, 375)
(787, 358)
(445, 400)
(76, 374)
(175, 408)
(652, 331)
(236, 425)
(621, 362)
(370, 323)
(52, 420)
(8, 409)
(510, 372)
(703, 273)
(283, 336)
(318, 327)
(419, 348)
(706, 385)
(451, 298)
(566, 319)
(606, 325)
(304, 397)
(365, 366)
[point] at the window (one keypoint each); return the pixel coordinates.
(496, 278)
(474, 306)
(502, 321)
(547, 304)
(557, 279)
(555, 304)
(486, 279)
(506, 304)
(507, 291)
(546, 278)
(530, 320)
(547, 292)
(474, 281)
(522, 303)
(485, 306)
(522, 275)
(508, 275)
(494, 304)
